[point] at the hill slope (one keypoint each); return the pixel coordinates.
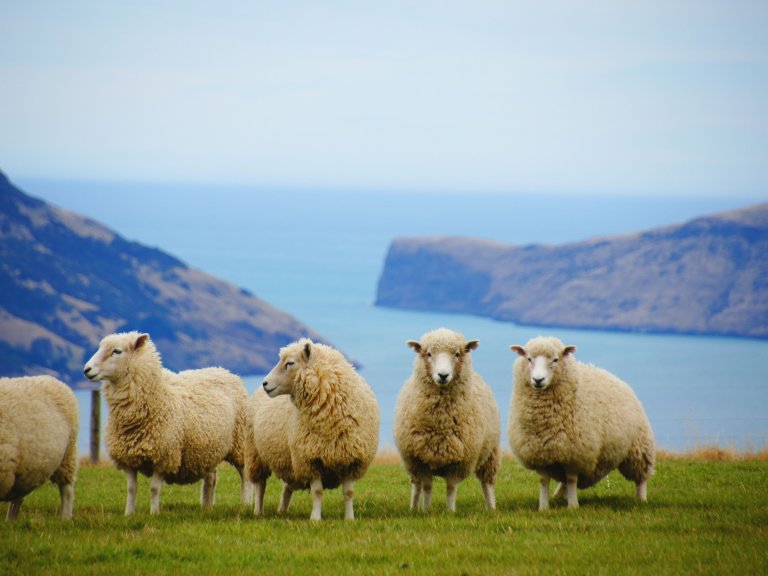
(67, 281)
(706, 276)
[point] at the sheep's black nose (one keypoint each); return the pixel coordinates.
(443, 376)
(87, 370)
(538, 380)
(264, 384)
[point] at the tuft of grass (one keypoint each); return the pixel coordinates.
(702, 517)
(713, 453)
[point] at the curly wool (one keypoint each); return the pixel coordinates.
(179, 425)
(331, 425)
(587, 421)
(267, 449)
(448, 430)
(38, 438)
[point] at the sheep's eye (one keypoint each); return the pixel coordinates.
(288, 364)
(429, 354)
(554, 361)
(458, 354)
(116, 351)
(530, 360)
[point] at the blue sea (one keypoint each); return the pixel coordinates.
(318, 254)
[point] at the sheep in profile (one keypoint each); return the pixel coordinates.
(330, 429)
(38, 440)
(173, 428)
(447, 420)
(575, 422)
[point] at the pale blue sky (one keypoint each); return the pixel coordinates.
(651, 97)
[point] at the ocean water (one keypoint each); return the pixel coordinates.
(319, 254)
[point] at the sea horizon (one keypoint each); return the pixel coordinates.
(318, 256)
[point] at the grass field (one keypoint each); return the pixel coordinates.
(702, 517)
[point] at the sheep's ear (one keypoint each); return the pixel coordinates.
(569, 350)
(519, 349)
(471, 345)
(140, 341)
(308, 349)
(415, 345)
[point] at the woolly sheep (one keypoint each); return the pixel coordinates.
(173, 428)
(267, 449)
(38, 440)
(447, 420)
(326, 435)
(575, 422)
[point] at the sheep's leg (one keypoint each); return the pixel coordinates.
(490, 496)
(13, 509)
(543, 491)
(642, 491)
(67, 493)
(348, 486)
(415, 493)
(130, 500)
(260, 488)
(451, 488)
(285, 498)
(246, 487)
(559, 490)
(155, 486)
(316, 487)
(571, 483)
(208, 491)
(426, 486)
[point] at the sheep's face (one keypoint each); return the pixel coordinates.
(110, 362)
(281, 378)
(543, 367)
(443, 362)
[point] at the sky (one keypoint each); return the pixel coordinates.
(571, 97)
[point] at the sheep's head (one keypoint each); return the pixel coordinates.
(444, 354)
(281, 379)
(543, 358)
(112, 361)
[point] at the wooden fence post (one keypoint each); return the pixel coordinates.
(95, 424)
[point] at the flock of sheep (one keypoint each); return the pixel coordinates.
(315, 424)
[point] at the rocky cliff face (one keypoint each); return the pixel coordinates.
(706, 276)
(67, 281)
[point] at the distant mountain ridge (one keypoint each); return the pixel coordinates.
(66, 281)
(706, 276)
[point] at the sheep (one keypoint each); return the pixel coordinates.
(173, 428)
(38, 440)
(575, 422)
(326, 435)
(447, 420)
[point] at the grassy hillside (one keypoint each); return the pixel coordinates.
(702, 517)
(705, 276)
(67, 281)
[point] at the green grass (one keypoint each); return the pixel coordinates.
(702, 517)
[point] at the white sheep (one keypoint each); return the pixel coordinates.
(38, 440)
(326, 435)
(174, 428)
(447, 420)
(575, 422)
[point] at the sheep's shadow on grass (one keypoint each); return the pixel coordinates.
(616, 503)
